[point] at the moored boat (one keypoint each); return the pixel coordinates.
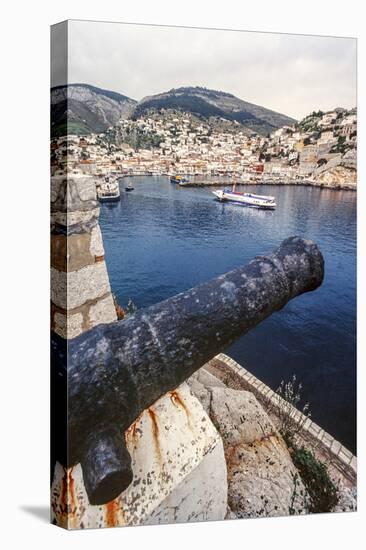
(178, 179)
(246, 199)
(129, 187)
(108, 191)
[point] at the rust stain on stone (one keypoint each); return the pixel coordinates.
(231, 452)
(111, 509)
(266, 438)
(68, 500)
(178, 402)
(155, 432)
(133, 430)
(119, 309)
(154, 423)
(71, 488)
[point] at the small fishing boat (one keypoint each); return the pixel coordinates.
(246, 199)
(108, 191)
(129, 187)
(178, 179)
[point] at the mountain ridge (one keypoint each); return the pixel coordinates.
(210, 103)
(84, 108)
(110, 93)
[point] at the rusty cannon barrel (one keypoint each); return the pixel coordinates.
(113, 372)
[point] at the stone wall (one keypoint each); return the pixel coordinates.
(81, 296)
(178, 462)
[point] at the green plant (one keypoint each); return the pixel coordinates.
(314, 474)
(287, 398)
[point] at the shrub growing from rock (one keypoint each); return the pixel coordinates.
(314, 474)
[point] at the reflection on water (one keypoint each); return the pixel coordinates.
(162, 239)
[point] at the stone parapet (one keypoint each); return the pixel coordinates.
(236, 376)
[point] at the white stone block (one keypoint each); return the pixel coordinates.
(73, 289)
(179, 471)
(96, 242)
(68, 326)
(102, 312)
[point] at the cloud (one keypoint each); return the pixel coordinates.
(292, 74)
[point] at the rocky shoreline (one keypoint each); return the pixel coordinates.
(262, 477)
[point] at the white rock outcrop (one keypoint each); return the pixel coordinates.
(262, 480)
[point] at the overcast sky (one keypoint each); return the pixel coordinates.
(291, 74)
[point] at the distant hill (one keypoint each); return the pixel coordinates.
(82, 109)
(213, 104)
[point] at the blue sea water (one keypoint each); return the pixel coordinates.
(161, 239)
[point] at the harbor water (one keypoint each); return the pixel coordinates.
(162, 239)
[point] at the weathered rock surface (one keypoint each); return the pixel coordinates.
(201, 383)
(347, 500)
(261, 476)
(338, 177)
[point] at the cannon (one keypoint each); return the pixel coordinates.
(103, 379)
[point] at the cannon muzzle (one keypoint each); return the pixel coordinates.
(106, 465)
(113, 372)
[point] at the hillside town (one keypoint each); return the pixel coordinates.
(321, 149)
